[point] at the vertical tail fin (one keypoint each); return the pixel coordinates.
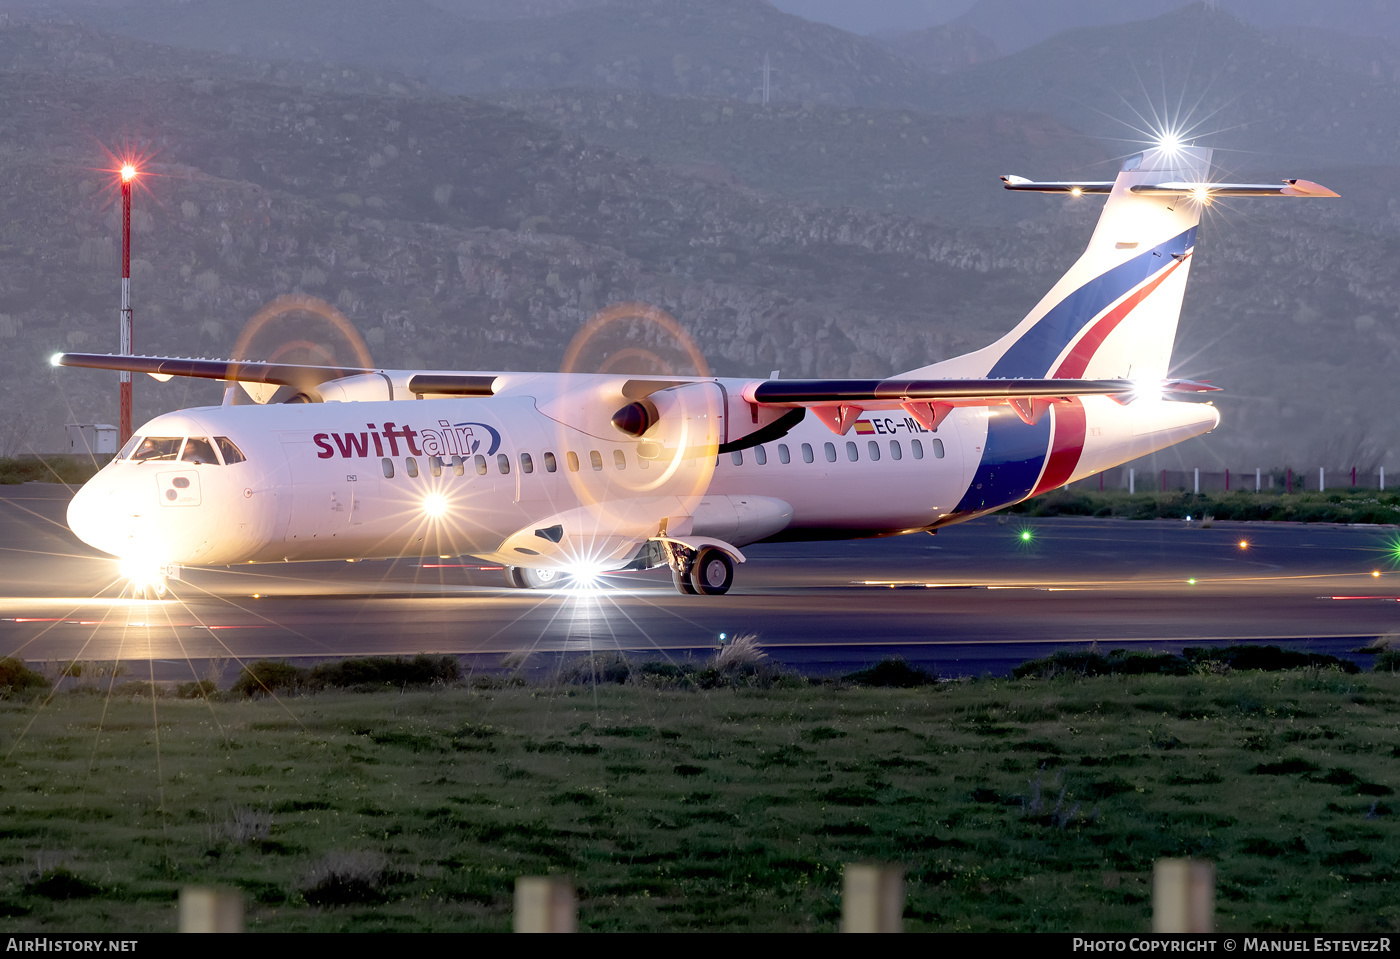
(1114, 314)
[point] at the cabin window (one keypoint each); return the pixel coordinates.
(435, 465)
(527, 465)
(619, 460)
(917, 448)
(874, 447)
(550, 463)
(895, 452)
(572, 457)
(232, 454)
(737, 458)
(807, 456)
(760, 456)
(937, 448)
(595, 458)
(458, 466)
(852, 453)
(199, 450)
(830, 450)
(410, 466)
(479, 462)
(388, 468)
(154, 448)
(783, 455)
(503, 464)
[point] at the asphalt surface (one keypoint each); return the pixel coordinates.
(977, 598)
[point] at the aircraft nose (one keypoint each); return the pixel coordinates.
(92, 515)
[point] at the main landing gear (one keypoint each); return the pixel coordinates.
(523, 577)
(704, 572)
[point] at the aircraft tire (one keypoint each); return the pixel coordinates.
(514, 577)
(712, 573)
(543, 578)
(682, 582)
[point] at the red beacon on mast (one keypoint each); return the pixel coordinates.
(128, 174)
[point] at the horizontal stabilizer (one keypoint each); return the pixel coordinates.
(1202, 191)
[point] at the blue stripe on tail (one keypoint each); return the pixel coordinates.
(1032, 354)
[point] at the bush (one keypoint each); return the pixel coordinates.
(893, 672)
(1387, 661)
(1265, 658)
(345, 879)
(15, 677)
(421, 670)
(1118, 662)
(265, 677)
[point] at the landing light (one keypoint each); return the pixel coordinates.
(1076, 191)
(143, 573)
(1201, 195)
(56, 359)
(435, 505)
(584, 575)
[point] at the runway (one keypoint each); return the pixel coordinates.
(975, 599)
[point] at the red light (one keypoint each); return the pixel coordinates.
(128, 172)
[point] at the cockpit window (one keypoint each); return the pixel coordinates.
(1132, 163)
(157, 448)
(232, 454)
(130, 445)
(198, 450)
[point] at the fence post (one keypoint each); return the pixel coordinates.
(872, 899)
(1198, 480)
(545, 904)
(210, 909)
(1183, 896)
(1258, 478)
(1321, 479)
(1132, 481)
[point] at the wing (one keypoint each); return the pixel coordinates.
(303, 380)
(838, 403)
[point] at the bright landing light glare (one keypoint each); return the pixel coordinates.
(435, 505)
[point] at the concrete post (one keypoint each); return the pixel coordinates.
(1198, 480)
(545, 904)
(1258, 477)
(872, 899)
(1183, 896)
(1132, 481)
(210, 909)
(1321, 478)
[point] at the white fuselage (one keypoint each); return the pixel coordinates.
(534, 476)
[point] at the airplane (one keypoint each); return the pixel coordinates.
(560, 477)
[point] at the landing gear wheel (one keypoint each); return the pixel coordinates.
(712, 573)
(681, 579)
(515, 577)
(544, 578)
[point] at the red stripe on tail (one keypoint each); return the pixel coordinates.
(1078, 360)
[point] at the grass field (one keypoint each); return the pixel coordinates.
(1016, 804)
